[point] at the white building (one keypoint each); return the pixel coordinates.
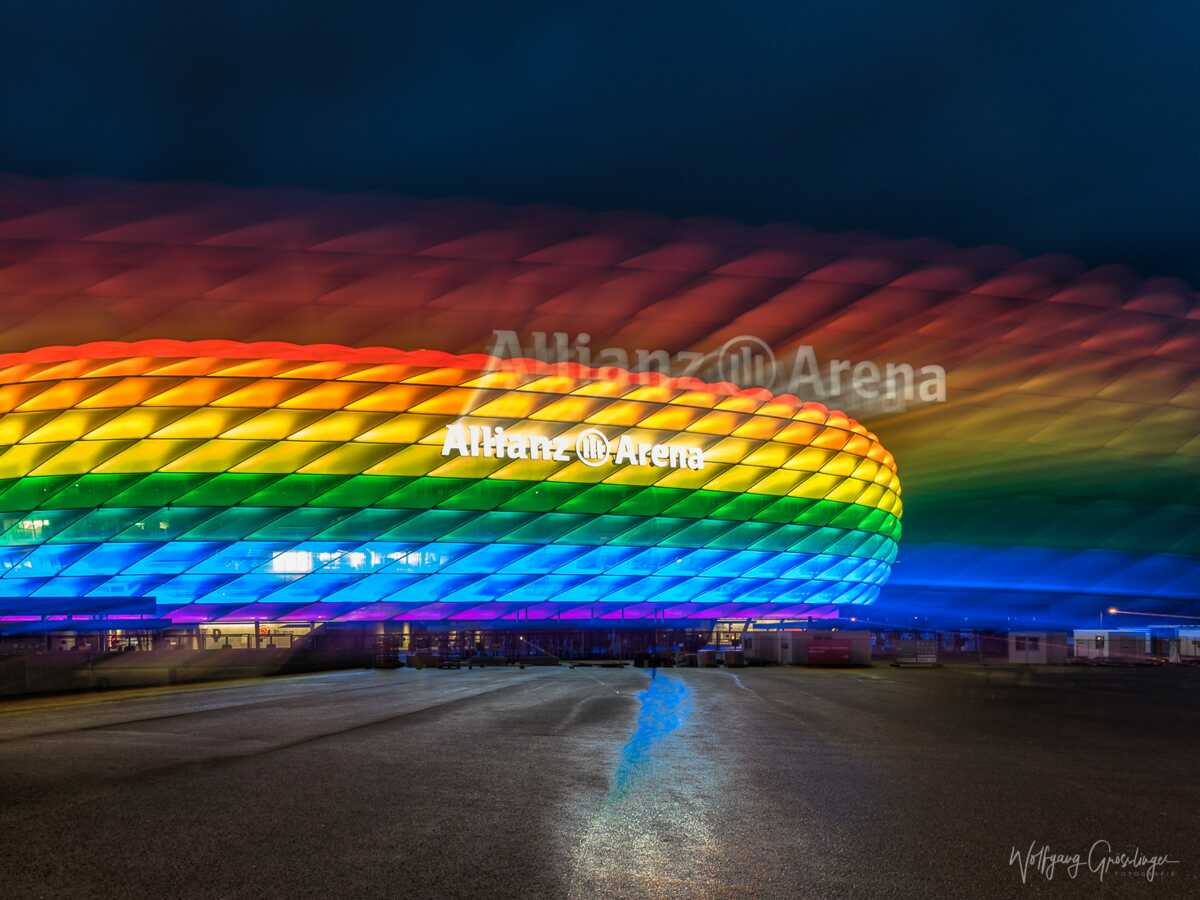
(1189, 644)
(1112, 643)
(1037, 647)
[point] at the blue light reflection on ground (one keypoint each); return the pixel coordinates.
(666, 704)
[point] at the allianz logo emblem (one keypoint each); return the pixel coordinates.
(590, 447)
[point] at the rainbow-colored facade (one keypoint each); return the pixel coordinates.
(1058, 476)
(237, 482)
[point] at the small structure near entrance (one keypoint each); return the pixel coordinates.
(1037, 647)
(920, 652)
(809, 648)
(1117, 645)
(1189, 645)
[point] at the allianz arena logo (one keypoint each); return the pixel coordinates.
(590, 447)
(747, 361)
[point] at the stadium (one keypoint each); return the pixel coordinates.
(231, 406)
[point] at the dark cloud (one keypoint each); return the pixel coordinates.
(1049, 126)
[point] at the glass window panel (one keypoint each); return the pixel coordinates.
(272, 425)
(429, 525)
(781, 510)
(595, 589)
(737, 564)
(486, 493)
(79, 457)
(218, 456)
(157, 489)
(428, 558)
(743, 506)
(203, 423)
(547, 559)
(110, 559)
(694, 562)
(249, 588)
(71, 425)
(128, 586)
(648, 561)
(600, 498)
(656, 530)
(100, 525)
(310, 556)
(134, 423)
(425, 492)
(650, 501)
(541, 496)
(47, 560)
(367, 558)
(547, 587)
(146, 455)
(491, 558)
(644, 589)
(340, 426)
(90, 490)
(358, 491)
(430, 588)
(234, 524)
(20, 587)
(762, 591)
(285, 456)
(851, 516)
(175, 557)
(700, 533)
(493, 587)
(69, 586)
(783, 537)
(697, 504)
(36, 527)
(776, 565)
(266, 393)
(242, 556)
(226, 489)
(600, 529)
(19, 461)
(164, 524)
(300, 524)
(743, 535)
(490, 526)
(31, 492)
(348, 459)
(418, 460)
(14, 426)
(10, 556)
(187, 588)
(365, 525)
(311, 588)
(546, 528)
(370, 588)
(817, 541)
(712, 590)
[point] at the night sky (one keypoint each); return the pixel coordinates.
(1049, 126)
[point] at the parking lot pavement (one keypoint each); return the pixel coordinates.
(602, 782)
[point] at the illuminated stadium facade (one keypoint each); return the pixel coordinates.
(1056, 474)
(238, 482)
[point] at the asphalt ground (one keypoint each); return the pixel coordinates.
(595, 782)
